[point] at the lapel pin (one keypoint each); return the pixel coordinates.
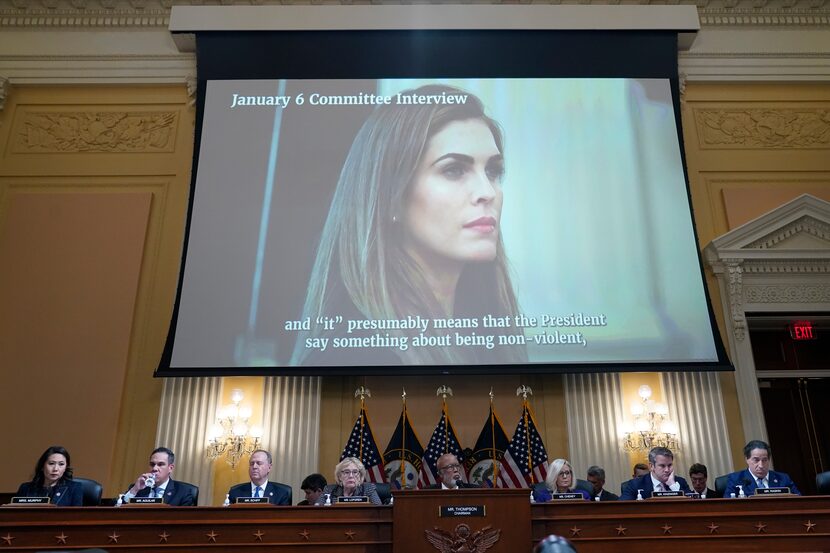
(272, 493)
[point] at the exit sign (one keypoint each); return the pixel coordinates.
(802, 330)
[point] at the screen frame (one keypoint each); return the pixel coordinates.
(597, 53)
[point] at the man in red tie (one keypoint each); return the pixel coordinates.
(660, 477)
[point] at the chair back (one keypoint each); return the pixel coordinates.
(823, 483)
(92, 491)
(585, 486)
(384, 490)
(624, 485)
(720, 485)
(287, 489)
(194, 490)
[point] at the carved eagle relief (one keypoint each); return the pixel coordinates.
(463, 539)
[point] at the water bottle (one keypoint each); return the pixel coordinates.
(150, 481)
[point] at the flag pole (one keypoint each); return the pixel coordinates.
(362, 392)
(493, 436)
(403, 439)
(445, 391)
(524, 391)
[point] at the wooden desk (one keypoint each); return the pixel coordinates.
(350, 529)
(780, 524)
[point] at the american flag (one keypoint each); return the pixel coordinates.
(443, 441)
(518, 469)
(361, 445)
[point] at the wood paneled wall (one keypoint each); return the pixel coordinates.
(93, 192)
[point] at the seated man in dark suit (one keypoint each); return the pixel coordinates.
(259, 467)
(596, 477)
(157, 482)
(660, 477)
(699, 477)
(757, 474)
(449, 470)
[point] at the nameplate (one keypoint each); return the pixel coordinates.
(354, 499)
(566, 496)
(462, 511)
(146, 501)
(250, 500)
(772, 491)
(663, 495)
(692, 495)
(31, 500)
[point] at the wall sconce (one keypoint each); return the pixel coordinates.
(230, 435)
(651, 427)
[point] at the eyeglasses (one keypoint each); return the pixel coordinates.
(565, 473)
(348, 472)
(450, 467)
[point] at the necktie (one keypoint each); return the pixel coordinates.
(156, 492)
(761, 483)
(258, 492)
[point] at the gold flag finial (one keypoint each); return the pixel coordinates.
(444, 391)
(362, 392)
(524, 391)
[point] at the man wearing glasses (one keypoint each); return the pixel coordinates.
(449, 470)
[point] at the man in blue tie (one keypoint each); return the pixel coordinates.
(757, 474)
(259, 467)
(660, 478)
(158, 482)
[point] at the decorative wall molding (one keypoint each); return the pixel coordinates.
(740, 40)
(734, 273)
(95, 131)
(156, 13)
(772, 128)
(4, 92)
(787, 267)
(774, 263)
(805, 225)
(787, 293)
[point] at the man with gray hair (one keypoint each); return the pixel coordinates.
(596, 477)
(660, 478)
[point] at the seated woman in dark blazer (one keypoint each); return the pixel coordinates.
(349, 475)
(53, 479)
(559, 480)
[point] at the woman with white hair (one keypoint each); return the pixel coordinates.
(349, 475)
(560, 479)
